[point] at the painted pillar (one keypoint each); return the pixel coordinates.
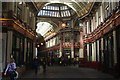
(1, 44)
(9, 45)
(98, 50)
(88, 52)
(25, 49)
(1, 68)
(11, 6)
(102, 45)
(101, 13)
(93, 51)
(97, 19)
(61, 42)
(92, 25)
(34, 50)
(72, 46)
(25, 13)
(87, 27)
(72, 41)
(3, 51)
(115, 47)
(81, 43)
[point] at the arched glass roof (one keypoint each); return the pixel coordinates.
(56, 10)
(43, 28)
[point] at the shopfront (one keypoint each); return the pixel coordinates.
(108, 55)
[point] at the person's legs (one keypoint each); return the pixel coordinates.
(44, 68)
(16, 78)
(36, 70)
(11, 76)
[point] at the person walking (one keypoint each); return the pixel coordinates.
(11, 70)
(44, 64)
(36, 65)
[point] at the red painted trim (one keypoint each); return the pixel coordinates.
(109, 25)
(93, 64)
(57, 47)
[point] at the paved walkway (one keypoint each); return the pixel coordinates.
(67, 72)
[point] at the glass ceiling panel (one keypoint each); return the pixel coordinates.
(43, 28)
(56, 10)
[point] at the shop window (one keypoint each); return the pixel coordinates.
(108, 51)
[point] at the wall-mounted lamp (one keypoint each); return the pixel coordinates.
(63, 25)
(41, 43)
(38, 45)
(49, 32)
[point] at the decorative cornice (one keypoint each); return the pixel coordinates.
(11, 24)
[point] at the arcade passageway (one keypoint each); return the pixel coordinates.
(68, 72)
(85, 33)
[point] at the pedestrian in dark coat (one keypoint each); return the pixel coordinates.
(36, 65)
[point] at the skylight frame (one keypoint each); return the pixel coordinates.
(55, 11)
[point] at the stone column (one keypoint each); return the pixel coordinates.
(114, 47)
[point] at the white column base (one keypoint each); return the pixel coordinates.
(72, 54)
(60, 54)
